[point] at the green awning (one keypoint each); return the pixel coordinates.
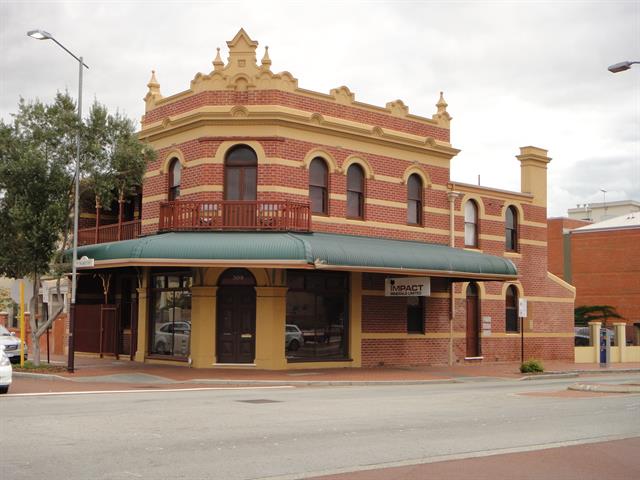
(300, 250)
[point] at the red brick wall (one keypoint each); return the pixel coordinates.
(388, 315)
(555, 242)
(606, 270)
(297, 101)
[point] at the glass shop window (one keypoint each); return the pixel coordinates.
(317, 308)
(170, 315)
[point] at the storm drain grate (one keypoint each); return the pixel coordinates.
(259, 400)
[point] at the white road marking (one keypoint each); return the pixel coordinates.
(151, 390)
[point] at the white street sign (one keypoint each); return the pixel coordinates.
(522, 307)
(85, 262)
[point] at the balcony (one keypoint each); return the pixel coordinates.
(109, 233)
(234, 216)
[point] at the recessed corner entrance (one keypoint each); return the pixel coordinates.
(236, 317)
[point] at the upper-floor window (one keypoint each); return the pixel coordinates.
(470, 224)
(511, 310)
(241, 174)
(355, 191)
(511, 229)
(175, 174)
(414, 200)
(318, 186)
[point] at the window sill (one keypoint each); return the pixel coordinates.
(318, 360)
(513, 254)
(154, 356)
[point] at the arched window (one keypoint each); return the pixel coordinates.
(318, 186)
(175, 174)
(470, 224)
(511, 311)
(414, 200)
(241, 174)
(511, 229)
(355, 191)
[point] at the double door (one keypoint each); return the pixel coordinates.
(236, 325)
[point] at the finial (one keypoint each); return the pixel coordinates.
(153, 82)
(266, 61)
(442, 105)
(218, 64)
(153, 93)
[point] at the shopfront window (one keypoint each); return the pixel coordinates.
(170, 315)
(317, 325)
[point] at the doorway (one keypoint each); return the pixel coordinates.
(236, 317)
(473, 320)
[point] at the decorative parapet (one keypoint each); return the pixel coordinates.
(242, 73)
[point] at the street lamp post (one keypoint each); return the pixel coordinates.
(42, 35)
(620, 66)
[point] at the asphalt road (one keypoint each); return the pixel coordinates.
(299, 432)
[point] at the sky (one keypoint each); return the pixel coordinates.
(514, 73)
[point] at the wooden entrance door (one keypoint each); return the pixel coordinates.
(236, 325)
(473, 312)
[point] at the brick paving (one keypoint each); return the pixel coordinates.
(87, 367)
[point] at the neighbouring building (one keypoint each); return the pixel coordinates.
(602, 261)
(596, 212)
(284, 228)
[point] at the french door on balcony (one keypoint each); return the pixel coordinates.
(240, 184)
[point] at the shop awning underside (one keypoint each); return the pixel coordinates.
(300, 250)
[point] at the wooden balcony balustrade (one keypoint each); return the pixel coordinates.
(234, 216)
(109, 233)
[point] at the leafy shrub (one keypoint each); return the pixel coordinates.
(532, 366)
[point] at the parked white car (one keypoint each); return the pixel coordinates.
(5, 371)
(294, 338)
(11, 345)
(172, 338)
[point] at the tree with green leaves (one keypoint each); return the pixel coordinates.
(592, 313)
(37, 164)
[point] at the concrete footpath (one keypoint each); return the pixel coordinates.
(93, 373)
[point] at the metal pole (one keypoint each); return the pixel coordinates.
(521, 340)
(22, 323)
(76, 205)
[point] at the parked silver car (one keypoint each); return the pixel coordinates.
(11, 345)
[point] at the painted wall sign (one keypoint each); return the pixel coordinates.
(407, 287)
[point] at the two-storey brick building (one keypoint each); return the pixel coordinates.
(281, 227)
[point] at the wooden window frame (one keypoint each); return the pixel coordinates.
(419, 198)
(324, 186)
(421, 306)
(242, 168)
(511, 231)
(174, 187)
(512, 293)
(361, 194)
(475, 224)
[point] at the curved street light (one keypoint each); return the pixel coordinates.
(42, 35)
(621, 66)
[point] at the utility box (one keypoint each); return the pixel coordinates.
(605, 347)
